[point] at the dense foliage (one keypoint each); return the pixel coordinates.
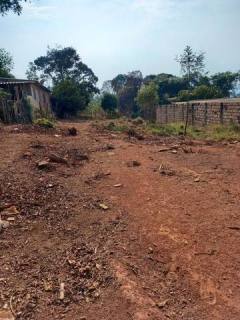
(148, 99)
(69, 98)
(72, 81)
(11, 5)
(109, 102)
(6, 64)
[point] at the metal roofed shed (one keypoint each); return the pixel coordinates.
(21, 95)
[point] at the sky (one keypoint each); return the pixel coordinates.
(119, 36)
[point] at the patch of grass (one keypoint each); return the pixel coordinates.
(171, 129)
(220, 132)
(117, 127)
(44, 122)
(214, 132)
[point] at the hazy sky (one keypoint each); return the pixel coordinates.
(118, 36)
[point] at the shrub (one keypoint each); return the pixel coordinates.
(44, 122)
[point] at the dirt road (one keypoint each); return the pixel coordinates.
(117, 228)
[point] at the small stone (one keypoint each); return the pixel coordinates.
(197, 180)
(43, 164)
(103, 206)
(133, 163)
(11, 219)
(4, 224)
(162, 304)
(174, 151)
(118, 185)
(150, 249)
(10, 211)
(72, 131)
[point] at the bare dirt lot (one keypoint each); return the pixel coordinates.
(103, 226)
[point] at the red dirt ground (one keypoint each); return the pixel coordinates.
(166, 247)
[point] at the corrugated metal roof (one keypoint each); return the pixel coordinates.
(12, 81)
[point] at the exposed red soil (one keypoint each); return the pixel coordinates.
(156, 239)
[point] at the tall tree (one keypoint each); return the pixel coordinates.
(192, 66)
(6, 63)
(60, 64)
(72, 80)
(126, 87)
(11, 5)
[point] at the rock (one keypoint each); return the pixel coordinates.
(174, 151)
(133, 163)
(197, 180)
(150, 250)
(6, 315)
(103, 206)
(10, 211)
(72, 131)
(44, 164)
(57, 159)
(163, 149)
(11, 219)
(3, 225)
(110, 147)
(118, 185)
(162, 304)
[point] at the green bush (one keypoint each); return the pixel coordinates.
(44, 122)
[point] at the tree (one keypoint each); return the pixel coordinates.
(107, 87)
(32, 74)
(119, 82)
(126, 87)
(72, 80)
(148, 99)
(109, 102)
(192, 66)
(6, 64)
(206, 92)
(225, 82)
(11, 5)
(60, 64)
(68, 99)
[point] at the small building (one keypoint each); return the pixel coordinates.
(19, 91)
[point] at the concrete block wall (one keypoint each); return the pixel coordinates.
(222, 111)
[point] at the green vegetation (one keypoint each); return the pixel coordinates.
(45, 123)
(214, 132)
(11, 5)
(6, 64)
(69, 99)
(73, 82)
(229, 132)
(147, 99)
(109, 103)
(94, 109)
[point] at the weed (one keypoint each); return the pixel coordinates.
(44, 122)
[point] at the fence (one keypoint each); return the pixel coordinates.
(222, 111)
